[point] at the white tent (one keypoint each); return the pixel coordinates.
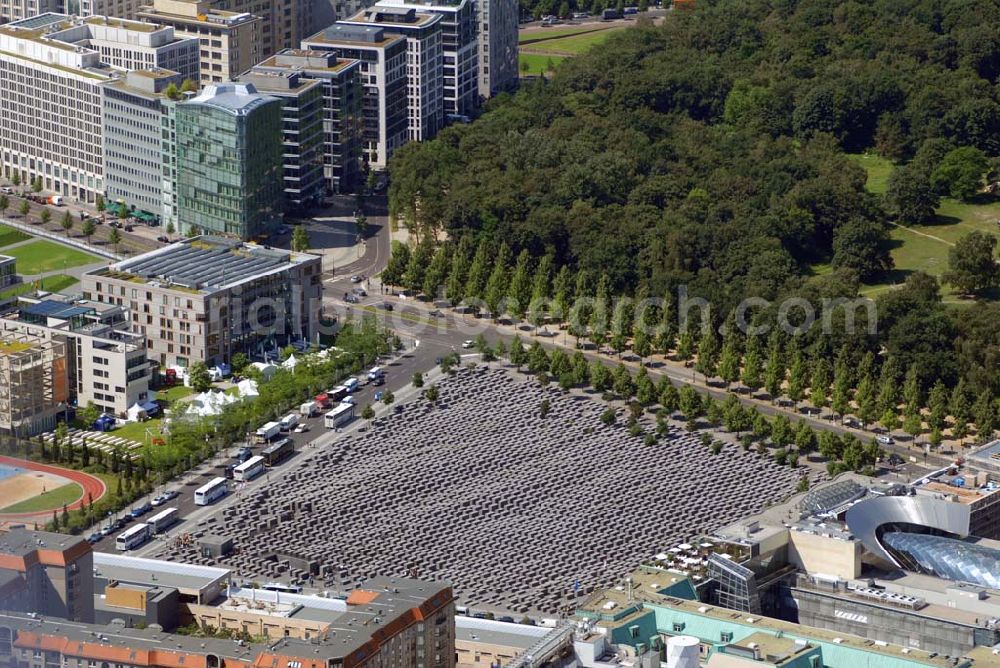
(267, 370)
(290, 363)
(136, 413)
(247, 388)
(209, 403)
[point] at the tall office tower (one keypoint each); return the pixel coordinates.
(230, 42)
(50, 108)
(342, 112)
(302, 127)
(383, 70)
(135, 149)
(285, 22)
(459, 50)
(229, 162)
(424, 80)
(498, 22)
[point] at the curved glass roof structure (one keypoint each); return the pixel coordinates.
(831, 496)
(871, 520)
(944, 557)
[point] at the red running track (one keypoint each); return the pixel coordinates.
(91, 484)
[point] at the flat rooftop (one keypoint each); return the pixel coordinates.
(187, 578)
(393, 18)
(349, 34)
(772, 648)
(22, 542)
(204, 264)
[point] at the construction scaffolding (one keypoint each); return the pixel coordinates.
(33, 383)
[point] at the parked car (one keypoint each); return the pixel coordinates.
(885, 439)
(159, 500)
(244, 454)
(468, 343)
(94, 537)
(352, 299)
(301, 427)
(163, 239)
(171, 494)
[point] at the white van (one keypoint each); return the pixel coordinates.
(289, 421)
(351, 384)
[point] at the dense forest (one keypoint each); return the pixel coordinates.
(709, 152)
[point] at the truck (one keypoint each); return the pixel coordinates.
(55, 200)
(308, 409)
(289, 421)
(267, 432)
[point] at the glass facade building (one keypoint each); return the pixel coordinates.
(229, 162)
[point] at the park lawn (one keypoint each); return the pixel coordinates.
(538, 64)
(53, 499)
(174, 393)
(8, 236)
(55, 283)
(532, 37)
(878, 169)
(39, 257)
(576, 44)
(136, 431)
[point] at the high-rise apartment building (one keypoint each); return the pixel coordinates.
(424, 80)
(383, 57)
(16, 10)
(229, 162)
(207, 298)
(50, 108)
(134, 145)
(230, 42)
(105, 362)
(459, 50)
(498, 24)
(48, 574)
(302, 131)
(285, 22)
(342, 113)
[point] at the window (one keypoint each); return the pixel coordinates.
(678, 627)
(633, 631)
(726, 636)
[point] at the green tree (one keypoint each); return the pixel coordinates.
(388, 397)
(418, 380)
(961, 409)
(198, 377)
(90, 413)
(645, 390)
(496, 286)
(820, 384)
(416, 268)
(666, 331)
(100, 204)
(910, 195)
(4, 204)
(798, 378)
(368, 412)
(518, 356)
(114, 238)
(972, 265)
(45, 216)
(88, 228)
(437, 272)
(774, 374)
(300, 239)
(708, 353)
(36, 184)
(961, 173)
(600, 317)
(912, 425)
(461, 260)
(479, 271)
(753, 366)
(865, 399)
(23, 208)
(562, 294)
(690, 403)
(889, 420)
(519, 292)
(66, 222)
(15, 179)
(399, 259)
(985, 413)
(600, 377)
(729, 361)
(623, 384)
(686, 344)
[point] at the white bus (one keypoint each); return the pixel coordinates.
(249, 469)
(162, 521)
(210, 492)
(133, 537)
(342, 414)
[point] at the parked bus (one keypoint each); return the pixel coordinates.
(163, 520)
(282, 588)
(275, 454)
(249, 469)
(211, 492)
(342, 414)
(133, 537)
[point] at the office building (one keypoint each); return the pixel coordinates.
(8, 271)
(302, 110)
(387, 622)
(132, 45)
(498, 64)
(424, 80)
(230, 42)
(50, 109)
(105, 363)
(33, 383)
(383, 57)
(285, 22)
(341, 114)
(459, 50)
(47, 574)
(228, 141)
(17, 10)
(208, 298)
(135, 148)
(122, 9)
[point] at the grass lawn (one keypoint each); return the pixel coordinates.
(576, 44)
(39, 257)
(8, 236)
(925, 247)
(136, 431)
(537, 64)
(878, 169)
(174, 393)
(54, 283)
(531, 37)
(53, 499)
